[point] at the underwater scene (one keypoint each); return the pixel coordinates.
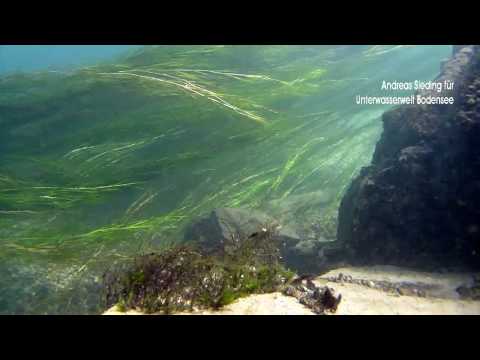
(259, 179)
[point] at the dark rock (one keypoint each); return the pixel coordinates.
(417, 203)
(226, 226)
(319, 299)
(471, 292)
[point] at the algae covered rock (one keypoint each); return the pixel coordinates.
(185, 277)
(320, 299)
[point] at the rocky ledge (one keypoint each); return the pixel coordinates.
(417, 203)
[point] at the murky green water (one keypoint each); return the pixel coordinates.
(99, 163)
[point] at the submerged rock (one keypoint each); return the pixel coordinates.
(225, 226)
(470, 291)
(417, 203)
(320, 299)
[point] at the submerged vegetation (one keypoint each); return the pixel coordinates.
(184, 277)
(99, 162)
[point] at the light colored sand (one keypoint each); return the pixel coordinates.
(446, 284)
(264, 304)
(361, 300)
(114, 311)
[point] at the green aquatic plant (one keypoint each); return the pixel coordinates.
(24, 197)
(184, 277)
(99, 158)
